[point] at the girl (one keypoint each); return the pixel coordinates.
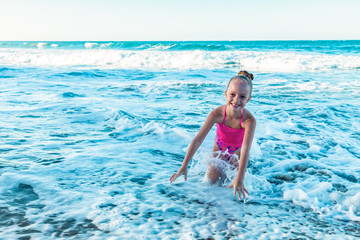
(234, 135)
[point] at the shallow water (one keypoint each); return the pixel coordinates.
(91, 134)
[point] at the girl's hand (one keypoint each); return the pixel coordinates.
(239, 187)
(182, 171)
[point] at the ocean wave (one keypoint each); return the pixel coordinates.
(90, 45)
(41, 45)
(328, 47)
(183, 60)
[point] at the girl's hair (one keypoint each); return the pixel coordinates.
(244, 76)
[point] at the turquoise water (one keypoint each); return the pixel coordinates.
(329, 47)
(92, 131)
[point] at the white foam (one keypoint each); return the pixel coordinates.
(255, 150)
(161, 47)
(353, 204)
(153, 127)
(41, 45)
(296, 195)
(90, 45)
(110, 59)
(119, 123)
(106, 45)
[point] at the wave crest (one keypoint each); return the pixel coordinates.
(177, 60)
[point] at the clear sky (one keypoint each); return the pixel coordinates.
(143, 20)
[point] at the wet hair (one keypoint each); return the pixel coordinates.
(244, 76)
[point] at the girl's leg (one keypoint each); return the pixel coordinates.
(212, 172)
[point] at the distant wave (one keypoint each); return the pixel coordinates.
(273, 61)
(328, 47)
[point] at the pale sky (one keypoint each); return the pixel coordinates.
(146, 20)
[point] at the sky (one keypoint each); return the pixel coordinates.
(175, 20)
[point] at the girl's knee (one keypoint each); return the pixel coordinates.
(213, 174)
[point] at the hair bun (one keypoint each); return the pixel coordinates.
(246, 74)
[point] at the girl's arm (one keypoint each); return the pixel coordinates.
(238, 183)
(212, 118)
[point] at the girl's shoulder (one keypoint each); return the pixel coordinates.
(220, 110)
(218, 114)
(248, 119)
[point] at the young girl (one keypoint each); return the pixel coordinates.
(234, 135)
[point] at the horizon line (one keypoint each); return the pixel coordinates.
(179, 40)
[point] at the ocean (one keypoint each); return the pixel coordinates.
(91, 132)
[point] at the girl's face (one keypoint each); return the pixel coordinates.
(237, 94)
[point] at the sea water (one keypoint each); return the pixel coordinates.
(91, 132)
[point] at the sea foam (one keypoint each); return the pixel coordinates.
(182, 60)
(90, 45)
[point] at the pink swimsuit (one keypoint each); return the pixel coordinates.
(228, 138)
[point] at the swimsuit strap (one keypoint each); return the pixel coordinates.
(240, 120)
(242, 117)
(224, 115)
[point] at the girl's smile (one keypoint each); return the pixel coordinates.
(234, 105)
(237, 94)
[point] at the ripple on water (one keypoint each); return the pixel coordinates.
(31, 116)
(157, 152)
(84, 74)
(141, 180)
(72, 95)
(16, 202)
(49, 161)
(65, 135)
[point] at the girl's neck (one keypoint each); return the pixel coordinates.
(234, 113)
